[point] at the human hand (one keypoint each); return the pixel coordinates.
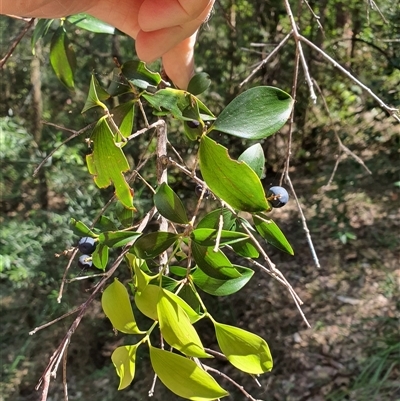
(161, 28)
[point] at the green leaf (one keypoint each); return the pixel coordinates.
(272, 234)
(92, 24)
(246, 249)
(138, 70)
(234, 182)
(244, 350)
(212, 219)
(215, 264)
(105, 223)
(146, 300)
(117, 307)
(192, 314)
(108, 163)
(123, 116)
(219, 287)
(169, 205)
(41, 29)
(125, 216)
(254, 157)
(116, 239)
(62, 58)
(100, 256)
(208, 236)
(199, 83)
(255, 114)
(184, 377)
(81, 229)
(176, 328)
(150, 245)
(96, 96)
(124, 359)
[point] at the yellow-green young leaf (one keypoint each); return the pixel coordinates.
(244, 350)
(192, 314)
(96, 95)
(177, 330)
(124, 359)
(62, 57)
(146, 300)
(184, 377)
(138, 265)
(234, 182)
(117, 307)
(100, 256)
(107, 163)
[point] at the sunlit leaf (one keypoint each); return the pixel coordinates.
(255, 114)
(138, 70)
(107, 163)
(215, 264)
(150, 245)
(234, 182)
(100, 256)
(117, 307)
(272, 234)
(212, 219)
(116, 239)
(246, 351)
(90, 23)
(124, 359)
(169, 205)
(146, 300)
(81, 229)
(184, 377)
(96, 95)
(176, 328)
(246, 249)
(254, 157)
(220, 287)
(62, 57)
(208, 236)
(123, 116)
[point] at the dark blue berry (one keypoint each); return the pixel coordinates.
(277, 196)
(193, 124)
(85, 262)
(87, 245)
(199, 190)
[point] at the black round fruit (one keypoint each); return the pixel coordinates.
(277, 196)
(193, 124)
(199, 190)
(87, 245)
(85, 262)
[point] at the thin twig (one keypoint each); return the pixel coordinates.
(71, 258)
(267, 59)
(315, 16)
(16, 41)
(296, 35)
(391, 110)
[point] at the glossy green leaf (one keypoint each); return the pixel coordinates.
(133, 69)
(81, 229)
(117, 307)
(254, 157)
(170, 205)
(105, 223)
(89, 23)
(116, 239)
(150, 245)
(208, 236)
(41, 29)
(107, 163)
(215, 264)
(184, 377)
(272, 234)
(178, 271)
(199, 83)
(246, 249)
(212, 219)
(96, 96)
(62, 58)
(124, 215)
(176, 328)
(124, 116)
(100, 256)
(244, 350)
(234, 182)
(219, 287)
(167, 283)
(188, 295)
(255, 114)
(124, 360)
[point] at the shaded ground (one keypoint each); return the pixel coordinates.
(351, 302)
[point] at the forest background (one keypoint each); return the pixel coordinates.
(352, 208)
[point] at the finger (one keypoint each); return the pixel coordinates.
(178, 62)
(158, 14)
